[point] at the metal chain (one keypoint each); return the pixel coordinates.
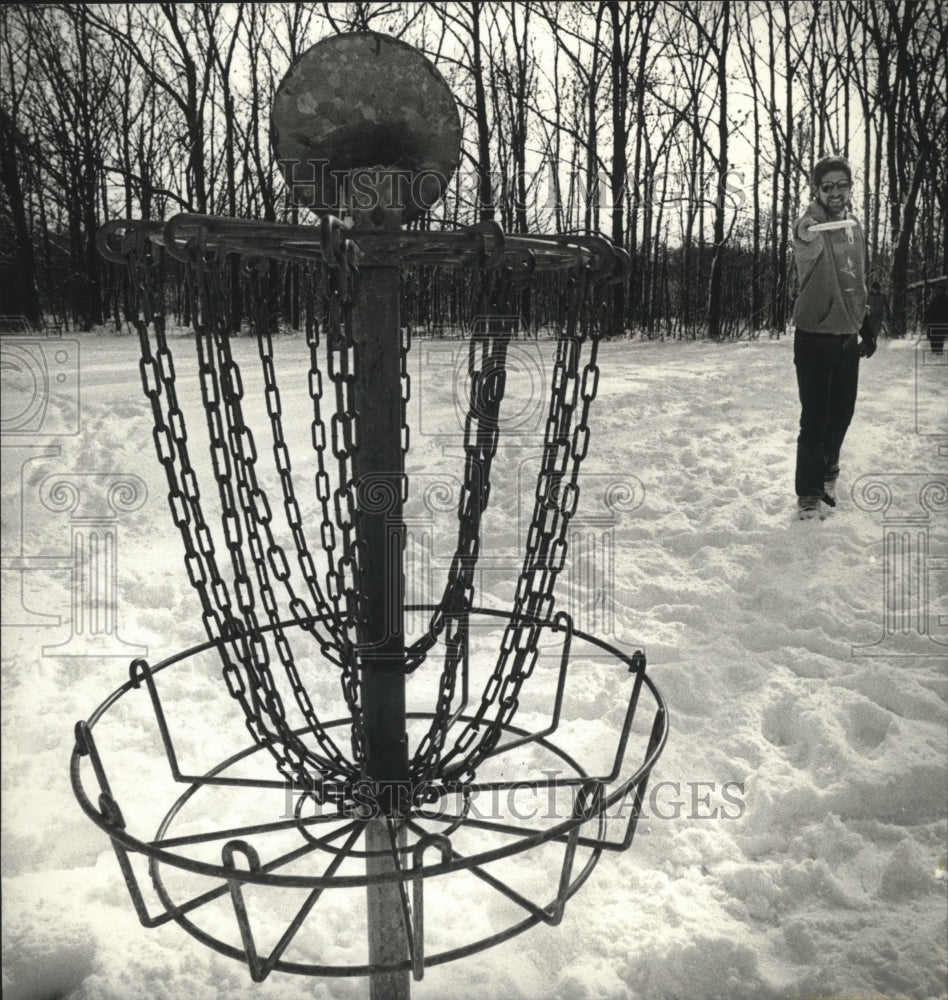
(234, 456)
(170, 436)
(232, 613)
(556, 499)
(340, 283)
(267, 556)
(236, 631)
(323, 621)
(487, 358)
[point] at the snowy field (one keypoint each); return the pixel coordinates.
(794, 843)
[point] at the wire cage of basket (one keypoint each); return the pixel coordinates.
(240, 858)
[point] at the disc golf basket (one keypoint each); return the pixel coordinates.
(351, 807)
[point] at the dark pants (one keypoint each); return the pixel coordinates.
(827, 367)
(937, 333)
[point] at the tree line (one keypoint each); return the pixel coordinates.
(683, 131)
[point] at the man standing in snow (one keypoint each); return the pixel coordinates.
(831, 330)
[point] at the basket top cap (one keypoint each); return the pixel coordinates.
(364, 100)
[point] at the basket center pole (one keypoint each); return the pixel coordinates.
(379, 469)
(346, 104)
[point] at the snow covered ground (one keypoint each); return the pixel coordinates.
(794, 844)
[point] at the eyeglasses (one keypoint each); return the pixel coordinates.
(841, 186)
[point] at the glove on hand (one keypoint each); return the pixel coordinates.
(867, 339)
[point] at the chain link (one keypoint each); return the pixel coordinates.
(238, 613)
(340, 285)
(230, 612)
(486, 369)
(556, 499)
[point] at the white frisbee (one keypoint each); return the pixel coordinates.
(822, 227)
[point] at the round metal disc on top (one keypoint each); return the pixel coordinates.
(365, 100)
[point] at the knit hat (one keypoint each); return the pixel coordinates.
(828, 164)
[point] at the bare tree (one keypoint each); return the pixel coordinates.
(909, 42)
(638, 287)
(630, 27)
(71, 107)
(692, 75)
(171, 50)
(749, 19)
(466, 25)
(146, 109)
(714, 32)
(578, 35)
(19, 294)
(512, 84)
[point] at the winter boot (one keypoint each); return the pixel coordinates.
(809, 508)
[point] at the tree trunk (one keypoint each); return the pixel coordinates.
(715, 282)
(485, 198)
(18, 295)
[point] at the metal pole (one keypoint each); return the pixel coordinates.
(349, 102)
(379, 468)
